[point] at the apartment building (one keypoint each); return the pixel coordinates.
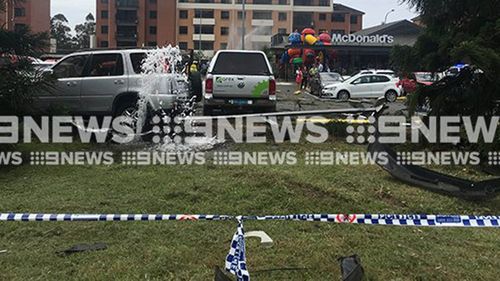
(128, 23)
(210, 25)
(34, 14)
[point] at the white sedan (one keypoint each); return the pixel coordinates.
(364, 86)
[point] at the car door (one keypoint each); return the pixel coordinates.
(361, 87)
(379, 84)
(66, 95)
(103, 80)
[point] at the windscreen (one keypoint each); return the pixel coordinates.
(241, 64)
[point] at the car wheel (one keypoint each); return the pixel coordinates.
(343, 96)
(391, 96)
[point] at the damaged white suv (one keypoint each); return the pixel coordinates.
(107, 83)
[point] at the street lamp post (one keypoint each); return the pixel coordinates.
(243, 19)
(386, 15)
(199, 30)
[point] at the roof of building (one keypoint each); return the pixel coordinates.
(389, 27)
(342, 8)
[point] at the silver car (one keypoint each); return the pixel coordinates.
(104, 83)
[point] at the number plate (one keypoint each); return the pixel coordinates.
(240, 102)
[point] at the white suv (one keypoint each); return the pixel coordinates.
(107, 83)
(364, 86)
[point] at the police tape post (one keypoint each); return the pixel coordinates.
(236, 258)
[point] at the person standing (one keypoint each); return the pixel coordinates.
(299, 78)
(305, 78)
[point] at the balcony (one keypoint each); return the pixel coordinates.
(203, 21)
(203, 37)
(262, 22)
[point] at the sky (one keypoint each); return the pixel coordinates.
(76, 10)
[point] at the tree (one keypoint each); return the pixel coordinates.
(19, 81)
(60, 31)
(84, 31)
(458, 31)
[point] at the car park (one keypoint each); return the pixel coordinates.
(365, 86)
(107, 83)
(239, 81)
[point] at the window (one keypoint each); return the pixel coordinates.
(354, 19)
(104, 14)
(380, 79)
(206, 45)
(152, 44)
(338, 31)
(224, 15)
(282, 31)
(18, 27)
(241, 64)
(153, 14)
(137, 59)
(183, 45)
(104, 1)
(152, 2)
(223, 46)
(362, 80)
(104, 44)
(183, 30)
(106, 65)
(204, 29)
(71, 67)
(240, 15)
(104, 29)
(152, 30)
(206, 14)
(322, 17)
(262, 15)
(183, 14)
(282, 16)
(224, 30)
(338, 17)
(19, 12)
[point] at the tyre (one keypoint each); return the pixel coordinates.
(343, 96)
(391, 96)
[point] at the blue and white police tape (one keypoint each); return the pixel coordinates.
(25, 217)
(369, 219)
(391, 219)
(236, 259)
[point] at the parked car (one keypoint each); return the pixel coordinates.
(324, 79)
(108, 83)
(426, 78)
(365, 86)
(239, 81)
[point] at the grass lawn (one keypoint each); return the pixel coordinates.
(190, 250)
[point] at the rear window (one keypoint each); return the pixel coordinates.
(241, 64)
